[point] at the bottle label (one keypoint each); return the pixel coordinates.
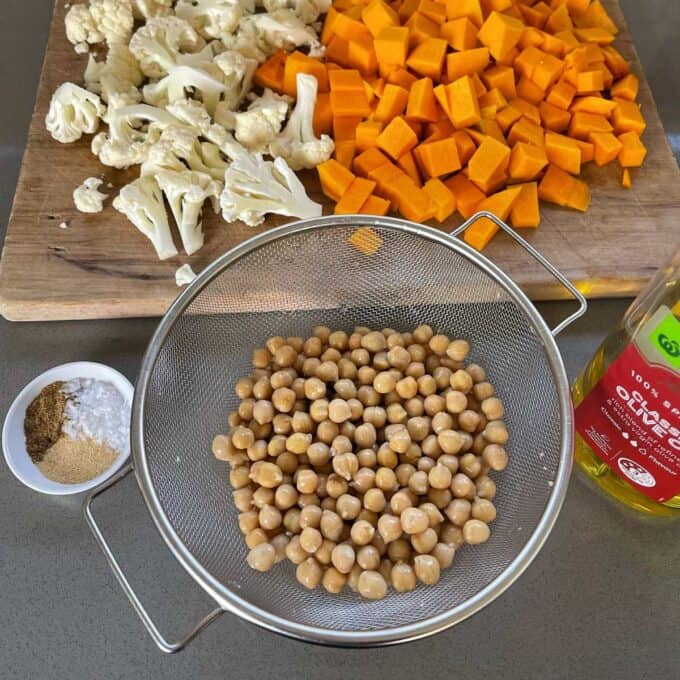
(631, 418)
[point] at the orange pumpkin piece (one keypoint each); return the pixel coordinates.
(615, 62)
(507, 117)
(500, 33)
(397, 138)
(536, 15)
(335, 178)
(547, 71)
(527, 109)
(441, 94)
(384, 176)
(374, 205)
(344, 152)
(378, 15)
(350, 102)
(526, 162)
(463, 104)
(526, 131)
(391, 46)
(405, 8)
(460, 64)
(595, 16)
(561, 188)
(407, 163)
(421, 28)
(422, 105)
(607, 147)
(527, 61)
(413, 202)
(348, 28)
(323, 115)
(465, 145)
(563, 152)
(392, 103)
(432, 9)
(366, 240)
(569, 40)
(297, 62)
(488, 166)
(626, 88)
(436, 159)
(427, 59)
(367, 134)
(439, 130)
(442, 197)
(337, 51)
(554, 118)
(587, 151)
(345, 80)
(626, 181)
(528, 90)
(495, 98)
(596, 35)
(589, 81)
(501, 78)
(467, 195)
(401, 77)
(344, 128)
(626, 117)
(361, 55)
(582, 124)
(483, 230)
(460, 33)
(559, 20)
(525, 210)
(368, 160)
(270, 74)
(633, 151)
(597, 105)
(471, 9)
(491, 128)
(327, 32)
(355, 196)
(561, 94)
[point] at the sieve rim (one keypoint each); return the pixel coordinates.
(224, 596)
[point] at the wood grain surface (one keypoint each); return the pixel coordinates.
(100, 266)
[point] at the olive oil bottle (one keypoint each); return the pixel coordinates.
(627, 402)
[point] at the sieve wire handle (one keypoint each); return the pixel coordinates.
(578, 296)
(163, 644)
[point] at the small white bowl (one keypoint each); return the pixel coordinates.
(14, 441)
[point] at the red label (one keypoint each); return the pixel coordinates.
(631, 419)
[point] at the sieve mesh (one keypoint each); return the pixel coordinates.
(285, 286)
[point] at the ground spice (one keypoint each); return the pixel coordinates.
(72, 461)
(43, 421)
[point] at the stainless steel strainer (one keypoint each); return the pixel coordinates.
(284, 282)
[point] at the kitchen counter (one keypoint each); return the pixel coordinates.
(600, 600)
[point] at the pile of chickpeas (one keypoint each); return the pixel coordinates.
(364, 458)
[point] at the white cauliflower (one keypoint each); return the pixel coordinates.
(81, 26)
(206, 83)
(145, 9)
(211, 18)
(73, 111)
(186, 192)
(308, 10)
(184, 275)
(238, 71)
(259, 125)
(297, 143)
(280, 29)
(113, 19)
(254, 187)
(87, 197)
(141, 202)
(165, 42)
(127, 142)
(193, 113)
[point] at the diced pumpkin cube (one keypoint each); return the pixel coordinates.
(633, 151)
(626, 181)
(589, 81)
(500, 33)
(501, 78)
(366, 240)
(422, 105)
(327, 32)
(592, 104)
(323, 115)
(401, 77)
(355, 196)
(271, 73)
(345, 151)
(526, 131)
(367, 134)
(559, 20)
(626, 88)
(471, 9)
(384, 175)
(436, 159)
(421, 28)
(596, 35)
(493, 97)
(397, 138)
(439, 130)
(460, 64)
(525, 210)
(561, 94)
(547, 71)
(348, 28)
(582, 124)
(527, 61)
(607, 147)
(595, 16)
(407, 163)
(480, 88)
(460, 33)
(615, 62)
(535, 15)
(491, 128)
(626, 117)
(527, 109)
(432, 9)
(467, 195)
(351, 103)
(335, 178)
(507, 117)
(378, 15)
(337, 51)
(427, 59)
(368, 160)
(392, 103)
(483, 230)
(441, 94)
(488, 166)
(361, 55)
(529, 91)
(463, 104)
(414, 203)
(563, 152)
(570, 41)
(561, 188)
(297, 62)
(345, 80)
(344, 127)
(465, 145)
(374, 205)
(391, 46)
(554, 118)
(406, 9)
(526, 162)
(587, 151)
(442, 197)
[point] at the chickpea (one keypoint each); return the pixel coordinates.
(309, 573)
(322, 332)
(285, 496)
(433, 515)
(291, 520)
(423, 333)
(398, 357)
(386, 479)
(462, 486)
(327, 371)
(407, 387)
(306, 481)
(415, 370)
(295, 552)
(384, 382)
(259, 431)
(403, 473)
(343, 557)
(366, 376)
(261, 358)
(432, 363)
(244, 388)
(258, 451)
(372, 585)
(310, 366)
(242, 437)
(374, 341)
(374, 500)
(279, 543)
(262, 557)
(345, 465)
(440, 477)
(223, 449)
(356, 409)
(327, 431)
(475, 531)
(362, 532)
(400, 501)
(336, 486)
(368, 557)
(266, 474)
(451, 535)
(310, 540)
(270, 517)
(353, 578)
(451, 462)
(333, 581)
(347, 369)
(239, 477)
(415, 407)
(477, 373)
(458, 511)
(255, 537)
(360, 357)
(368, 516)
(363, 480)
(262, 497)
(348, 507)
(471, 465)
(389, 528)
(419, 483)
(339, 411)
(468, 420)
(399, 441)
(403, 577)
(430, 446)
(442, 421)
(248, 521)
(439, 344)
(375, 415)
(367, 458)
(440, 497)
(425, 541)
(495, 433)
(298, 442)
(427, 385)
(305, 499)
(395, 340)
(414, 520)
(418, 428)
(341, 444)
(365, 435)
(245, 411)
(444, 554)
(458, 350)
(399, 550)
(486, 487)
(330, 525)
(243, 499)
(456, 402)
(461, 381)
(396, 414)
(450, 441)
(483, 390)
(282, 423)
(467, 442)
(338, 339)
(287, 461)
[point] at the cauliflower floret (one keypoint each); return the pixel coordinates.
(72, 112)
(141, 202)
(297, 143)
(308, 10)
(280, 29)
(186, 192)
(260, 124)
(184, 275)
(193, 113)
(205, 82)
(165, 42)
(145, 9)
(211, 18)
(87, 197)
(238, 75)
(254, 187)
(81, 26)
(113, 19)
(126, 142)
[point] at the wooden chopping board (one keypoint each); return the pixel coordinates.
(100, 266)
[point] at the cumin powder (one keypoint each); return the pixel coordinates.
(43, 421)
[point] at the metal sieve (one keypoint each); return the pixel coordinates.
(284, 282)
